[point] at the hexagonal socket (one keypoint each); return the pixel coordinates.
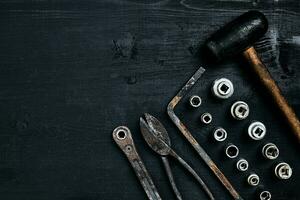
(265, 195)
(220, 134)
(239, 110)
(232, 151)
(270, 151)
(242, 165)
(195, 101)
(253, 179)
(206, 118)
(283, 171)
(222, 88)
(257, 130)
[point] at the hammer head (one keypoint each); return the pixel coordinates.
(237, 36)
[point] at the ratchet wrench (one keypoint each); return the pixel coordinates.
(122, 136)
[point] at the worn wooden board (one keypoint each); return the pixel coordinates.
(71, 71)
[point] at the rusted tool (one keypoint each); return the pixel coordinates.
(158, 139)
(187, 134)
(122, 136)
(238, 37)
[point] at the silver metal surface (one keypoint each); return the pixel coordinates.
(283, 171)
(270, 151)
(239, 110)
(265, 195)
(195, 101)
(242, 165)
(220, 134)
(206, 118)
(257, 130)
(253, 179)
(222, 88)
(232, 151)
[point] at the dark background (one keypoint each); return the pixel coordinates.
(72, 71)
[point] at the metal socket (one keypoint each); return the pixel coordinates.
(206, 118)
(283, 171)
(257, 130)
(270, 151)
(195, 101)
(222, 88)
(121, 133)
(232, 151)
(240, 110)
(242, 165)
(265, 195)
(220, 134)
(253, 180)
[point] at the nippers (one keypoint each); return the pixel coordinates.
(158, 139)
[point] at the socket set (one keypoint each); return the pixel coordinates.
(239, 114)
(223, 88)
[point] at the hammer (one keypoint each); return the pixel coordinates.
(238, 36)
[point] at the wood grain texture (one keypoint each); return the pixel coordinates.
(71, 71)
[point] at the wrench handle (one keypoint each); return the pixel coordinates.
(122, 136)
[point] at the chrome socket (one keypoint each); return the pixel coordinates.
(195, 101)
(242, 165)
(253, 180)
(222, 88)
(220, 134)
(270, 151)
(121, 133)
(239, 110)
(283, 171)
(257, 130)
(206, 118)
(265, 195)
(232, 151)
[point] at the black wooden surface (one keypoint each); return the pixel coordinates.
(71, 71)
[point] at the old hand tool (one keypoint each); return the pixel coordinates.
(238, 36)
(122, 136)
(158, 139)
(187, 134)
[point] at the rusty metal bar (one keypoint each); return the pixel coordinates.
(187, 134)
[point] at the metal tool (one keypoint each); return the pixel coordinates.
(232, 151)
(257, 130)
(283, 171)
(270, 151)
(195, 101)
(242, 165)
(239, 36)
(239, 110)
(220, 134)
(158, 139)
(122, 136)
(187, 134)
(265, 195)
(222, 88)
(253, 179)
(206, 118)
